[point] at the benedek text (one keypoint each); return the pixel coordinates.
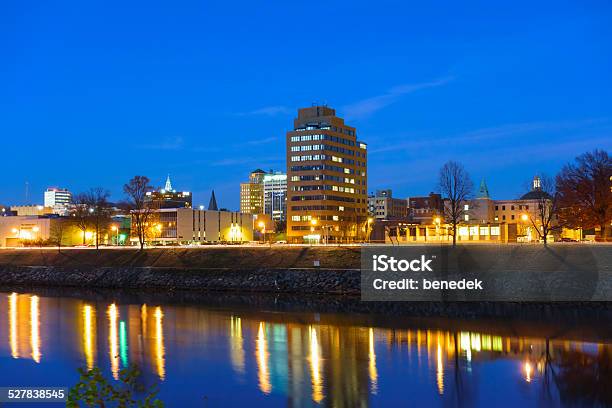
(427, 284)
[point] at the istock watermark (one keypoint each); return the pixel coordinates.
(487, 273)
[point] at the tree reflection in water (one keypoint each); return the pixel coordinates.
(583, 378)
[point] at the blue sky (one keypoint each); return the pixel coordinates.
(93, 93)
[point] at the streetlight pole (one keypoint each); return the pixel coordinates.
(262, 226)
(313, 222)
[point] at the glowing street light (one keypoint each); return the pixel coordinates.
(262, 227)
(524, 217)
(369, 226)
(115, 229)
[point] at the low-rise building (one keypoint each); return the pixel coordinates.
(31, 210)
(383, 206)
(425, 209)
(26, 230)
(186, 226)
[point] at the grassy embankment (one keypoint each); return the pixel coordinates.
(196, 258)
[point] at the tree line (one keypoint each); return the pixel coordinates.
(92, 211)
(579, 196)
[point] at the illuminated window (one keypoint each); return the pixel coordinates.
(494, 230)
(466, 217)
(463, 231)
(484, 231)
(473, 231)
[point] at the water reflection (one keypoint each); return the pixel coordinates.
(13, 335)
(89, 335)
(113, 340)
(160, 350)
(35, 328)
(300, 357)
(263, 374)
(237, 345)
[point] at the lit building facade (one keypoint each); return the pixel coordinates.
(275, 195)
(383, 206)
(252, 193)
(425, 209)
(24, 230)
(31, 210)
(59, 199)
(186, 226)
(326, 179)
(168, 197)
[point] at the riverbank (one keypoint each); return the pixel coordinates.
(280, 270)
(289, 270)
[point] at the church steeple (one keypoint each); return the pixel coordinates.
(483, 191)
(212, 204)
(168, 186)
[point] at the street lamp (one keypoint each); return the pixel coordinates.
(313, 223)
(525, 218)
(369, 232)
(262, 227)
(158, 228)
(116, 230)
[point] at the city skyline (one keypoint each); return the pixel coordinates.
(159, 94)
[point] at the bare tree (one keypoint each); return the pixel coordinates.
(81, 214)
(544, 217)
(99, 210)
(585, 195)
(136, 190)
(58, 231)
(457, 188)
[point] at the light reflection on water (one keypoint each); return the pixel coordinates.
(292, 359)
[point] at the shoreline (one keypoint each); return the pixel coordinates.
(289, 271)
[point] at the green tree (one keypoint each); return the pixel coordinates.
(94, 390)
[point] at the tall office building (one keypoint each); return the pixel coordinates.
(326, 179)
(252, 193)
(275, 195)
(58, 199)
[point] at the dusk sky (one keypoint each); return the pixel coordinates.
(95, 92)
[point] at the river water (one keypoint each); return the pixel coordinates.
(244, 356)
